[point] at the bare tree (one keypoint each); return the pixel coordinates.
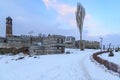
(80, 15)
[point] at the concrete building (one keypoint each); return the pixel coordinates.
(70, 42)
(21, 41)
(2, 40)
(54, 44)
(89, 44)
(92, 44)
(49, 44)
(36, 49)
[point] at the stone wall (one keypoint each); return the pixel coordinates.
(109, 65)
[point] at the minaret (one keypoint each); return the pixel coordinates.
(8, 27)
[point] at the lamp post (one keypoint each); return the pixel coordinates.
(101, 40)
(80, 15)
(109, 46)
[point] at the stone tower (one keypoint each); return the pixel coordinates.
(8, 27)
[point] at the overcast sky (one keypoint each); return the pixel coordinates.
(58, 17)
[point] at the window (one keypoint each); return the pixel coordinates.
(58, 41)
(57, 47)
(61, 40)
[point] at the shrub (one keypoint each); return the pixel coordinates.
(68, 52)
(116, 50)
(111, 54)
(20, 58)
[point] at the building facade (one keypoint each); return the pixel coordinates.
(88, 44)
(54, 44)
(36, 49)
(2, 40)
(70, 42)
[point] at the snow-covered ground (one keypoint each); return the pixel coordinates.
(114, 59)
(74, 66)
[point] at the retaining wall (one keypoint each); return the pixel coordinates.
(109, 65)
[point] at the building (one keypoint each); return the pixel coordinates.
(49, 44)
(2, 40)
(89, 44)
(36, 49)
(8, 27)
(54, 44)
(21, 41)
(17, 41)
(70, 42)
(92, 44)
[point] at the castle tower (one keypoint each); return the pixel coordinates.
(8, 27)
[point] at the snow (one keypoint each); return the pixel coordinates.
(74, 66)
(99, 72)
(115, 59)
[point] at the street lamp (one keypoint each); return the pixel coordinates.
(80, 15)
(109, 46)
(101, 40)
